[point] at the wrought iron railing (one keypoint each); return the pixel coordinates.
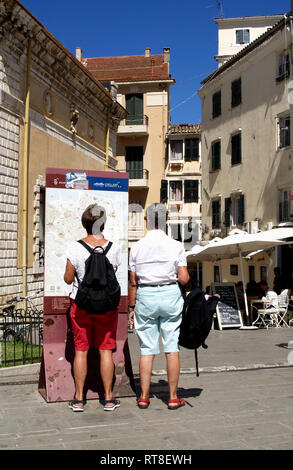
(138, 174)
(137, 120)
(21, 337)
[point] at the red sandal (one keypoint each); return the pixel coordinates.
(143, 403)
(179, 402)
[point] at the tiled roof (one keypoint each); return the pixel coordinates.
(128, 68)
(185, 129)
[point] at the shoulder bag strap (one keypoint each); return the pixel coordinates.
(108, 248)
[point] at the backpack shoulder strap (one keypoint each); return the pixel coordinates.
(108, 248)
(85, 245)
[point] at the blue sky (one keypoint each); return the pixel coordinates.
(117, 28)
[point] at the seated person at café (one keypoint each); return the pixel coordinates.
(269, 295)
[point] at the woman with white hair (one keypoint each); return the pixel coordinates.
(157, 264)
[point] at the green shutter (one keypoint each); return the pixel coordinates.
(191, 191)
(241, 217)
(134, 162)
(227, 212)
(191, 150)
(216, 214)
(164, 191)
(236, 144)
(134, 106)
(216, 155)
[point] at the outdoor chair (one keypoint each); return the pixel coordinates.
(267, 316)
(283, 299)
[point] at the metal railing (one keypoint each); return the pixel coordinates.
(137, 120)
(21, 337)
(138, 174)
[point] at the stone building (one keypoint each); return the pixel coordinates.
(144, 90)
(53, 113)
(247, 143)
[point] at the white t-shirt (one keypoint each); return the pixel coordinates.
(78, 254)
(272, 297)
(156, 257)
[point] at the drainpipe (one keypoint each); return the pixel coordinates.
(107, 141)
(25, 172)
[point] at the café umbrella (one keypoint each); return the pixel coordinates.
(236, 245)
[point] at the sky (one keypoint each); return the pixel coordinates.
(117, 28)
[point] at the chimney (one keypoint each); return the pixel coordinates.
(78, 53)
(147, 52)
(167, 54)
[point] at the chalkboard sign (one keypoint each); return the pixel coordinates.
(228, 312)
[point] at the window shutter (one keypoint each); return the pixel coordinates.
(216, 155)
(236, 149)
(236, 92)
(191, 191)
(216, 214)
(241, 217)
(227, 212)
(191, 150)
(164, 191)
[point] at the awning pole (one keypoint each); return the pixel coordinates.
(244, 289)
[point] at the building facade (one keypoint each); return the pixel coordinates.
(144, 90)
(181, 186)
(247, 150)
(53, 113)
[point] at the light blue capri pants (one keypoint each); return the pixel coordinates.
(158, 308)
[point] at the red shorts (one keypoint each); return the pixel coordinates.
(93, 330)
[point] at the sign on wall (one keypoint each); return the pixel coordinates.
(68, 194)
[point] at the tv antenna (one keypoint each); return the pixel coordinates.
(220, 8)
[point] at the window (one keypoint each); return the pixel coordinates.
(135, 216)
(216, 155)
(236, 149)
(191, 191)
(284, 132)
(134, 162)
(227, 221)
(217, 277)
(134, 105)
(234, 211)
(185, 232)
(263, 273)
(242, 36)
(284, 206)
(236, 93)
(217, 110)
(251, 271)
(283, 67)
(216, 213)
(191, 150)
(164, 191)
(175, 191)
(176, 147)
(234, 269)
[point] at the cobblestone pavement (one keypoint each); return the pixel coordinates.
(226, 409)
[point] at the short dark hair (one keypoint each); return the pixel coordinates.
(263, 283)
(91, 216)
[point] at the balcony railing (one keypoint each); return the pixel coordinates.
(138, 178)
(137, 124)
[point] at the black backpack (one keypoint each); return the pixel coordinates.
(99, 291)
(197, 320)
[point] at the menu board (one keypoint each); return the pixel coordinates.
(228, 312)
(68, 194)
